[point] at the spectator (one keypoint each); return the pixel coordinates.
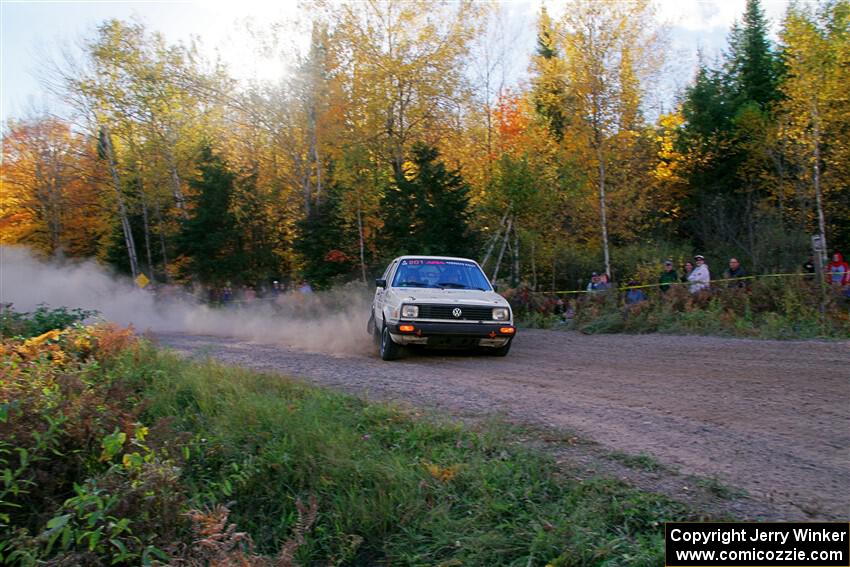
(735, 271)
(604, 282)
(700, 277)
(838, 271)
(250, 294)
(809, 266)
(668, 276)
(276, 289)
(305, 288)
(593, 285)
(559, 307)
(686, 272)
(226, 294)
(634, 295)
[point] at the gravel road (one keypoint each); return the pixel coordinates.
(769, 419)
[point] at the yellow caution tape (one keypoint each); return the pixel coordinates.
(624, 288)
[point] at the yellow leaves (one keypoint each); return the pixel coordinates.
(668, 166)
(44, 346)
(64, 348)
(410, 170)
(82, 344)
(43, 338)
(112, 444)
(443, 474)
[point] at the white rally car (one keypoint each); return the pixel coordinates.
(438, 301)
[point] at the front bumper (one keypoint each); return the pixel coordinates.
(452, 334)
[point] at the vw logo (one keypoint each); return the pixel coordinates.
(457, 312)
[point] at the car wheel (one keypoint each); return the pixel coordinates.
(388, 349)
(502, 350)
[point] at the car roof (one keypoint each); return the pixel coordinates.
(456, 258)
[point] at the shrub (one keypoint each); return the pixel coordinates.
(774, 308)
(43, 319)
(250, 469)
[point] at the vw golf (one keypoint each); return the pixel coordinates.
(438, 302)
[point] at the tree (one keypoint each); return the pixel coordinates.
(548, 89)
(323, 242)
(727, 113)
(426, 211)
(405, 65)
(208, 240)
(610, 49)
(752, 64)
(815, 50)
(48, 200)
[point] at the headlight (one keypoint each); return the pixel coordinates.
(410, 311)
(501, 314)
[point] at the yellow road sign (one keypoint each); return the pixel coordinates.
(142, 280)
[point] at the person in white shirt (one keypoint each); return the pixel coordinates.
(700, 277)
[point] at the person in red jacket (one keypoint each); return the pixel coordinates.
(838, 271)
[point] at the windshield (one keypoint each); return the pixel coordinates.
(440, 274)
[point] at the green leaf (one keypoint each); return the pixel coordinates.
(93, 540)
(112, 444)
(58, 522)
(123, 554)
(156, 552)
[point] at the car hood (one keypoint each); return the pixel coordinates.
(443, 296)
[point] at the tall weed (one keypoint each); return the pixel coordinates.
(115, 452)
(769, 308)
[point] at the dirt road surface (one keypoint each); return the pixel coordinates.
(768, 420)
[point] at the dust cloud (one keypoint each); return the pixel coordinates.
(332, 322)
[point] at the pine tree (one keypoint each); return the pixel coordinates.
(548, 90)
(426, 210)
(256, 231)
(705, 107)
(321, 242)
(208, 239)
(726, 110)
(753, 64)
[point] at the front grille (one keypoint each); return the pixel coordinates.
(468, 313)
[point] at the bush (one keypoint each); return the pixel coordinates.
(67, 407)
(235, 467)
(771, 308)
(43, 319)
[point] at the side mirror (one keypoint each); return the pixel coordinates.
(495, 287)
(381, 283)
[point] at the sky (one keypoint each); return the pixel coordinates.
(33, 31)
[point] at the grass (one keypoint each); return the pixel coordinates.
(390, 488)
(641, 461)
(768, 309)
(720, 489)
(118, 452)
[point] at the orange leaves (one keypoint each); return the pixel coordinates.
(337, 257)
(64, 348)
(46, 200)
(112, 339)
(512, 119)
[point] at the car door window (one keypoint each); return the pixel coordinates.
(389, 272)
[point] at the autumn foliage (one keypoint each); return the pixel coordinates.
(575, 163)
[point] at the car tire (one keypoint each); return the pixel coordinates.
(502, 350)
(387, 348)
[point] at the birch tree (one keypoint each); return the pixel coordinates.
(610, 50)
